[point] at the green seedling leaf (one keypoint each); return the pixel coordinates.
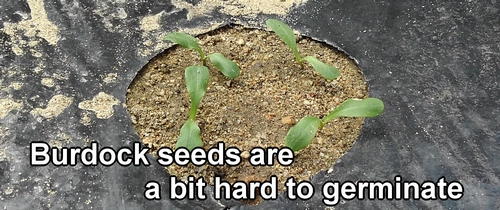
(368, 107)
(190, 136)
(227, 67)
(301, 134)
(327, 71)
(286, 35)
(186, 41)
(196, 83)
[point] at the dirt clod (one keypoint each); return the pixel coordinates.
(288, 120)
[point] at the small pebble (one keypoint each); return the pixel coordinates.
(240, 42)
(288, 120)
(245, 154)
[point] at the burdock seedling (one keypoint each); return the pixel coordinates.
(196, 83)
(301, 134)
(227, 67)
(286, 35)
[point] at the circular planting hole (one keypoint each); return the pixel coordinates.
(254, 110)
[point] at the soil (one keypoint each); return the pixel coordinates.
(256, 109)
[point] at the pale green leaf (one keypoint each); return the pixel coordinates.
(301, 134)
(196, 83)
(190, 136)
(228, 67)
(368, 107)
(286, 35)
(327, 71)
(185, 40)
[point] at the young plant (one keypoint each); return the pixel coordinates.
(227, 67)
(301, 134)
(196, 83)
(286, 35)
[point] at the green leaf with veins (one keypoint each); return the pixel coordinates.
(196, 83)
(186, 41)
(301, 134)
(368, 107)
(227, 67)
(190, 136)
(327, 71)
(286, 35)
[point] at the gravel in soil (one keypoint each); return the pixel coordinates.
(256, 109)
